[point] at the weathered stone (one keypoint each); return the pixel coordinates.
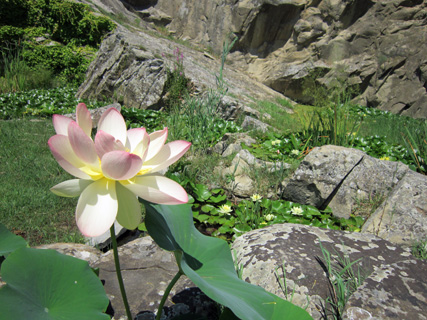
(255, 124)
(296, 248)
(231, 143)
(402, 217)
(76, 250)
(131, 68)
(282, 43)
(125, 71)
(394, 291)
(146, 270)
(338, 177)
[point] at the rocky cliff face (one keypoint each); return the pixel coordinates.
(378, 45)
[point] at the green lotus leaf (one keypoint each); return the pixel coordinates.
(9, 242)
(207, 261)
(47, 285)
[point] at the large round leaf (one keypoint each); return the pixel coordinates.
(9, 242)
(47, 285)
(207, 261)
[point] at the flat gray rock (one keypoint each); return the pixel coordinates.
(146, 270)
(294, 251)
(396, 291)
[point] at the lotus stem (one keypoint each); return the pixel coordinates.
(119, 272)
(166, 294)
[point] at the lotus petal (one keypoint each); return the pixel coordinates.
(105, 142)
(157, 189)
(63, 152)
(71, 188)
(97, 208)
(157, 141)
(138, 142)
(82, 145)
(170, 153)
(84, 119)
(120, 165)
(129, 213)
(113, 123)
(60, 124)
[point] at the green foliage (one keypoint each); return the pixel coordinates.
(69, 62)
(197, 121)
(28, 171)
(215, 215)
(417, 143)
(76, 33)
(208, 263)
(51, 286)
(151, 120)
(9, 241)
(419, 249)
(344, 277)
(41, 103)
(177, 84)
(65, 21)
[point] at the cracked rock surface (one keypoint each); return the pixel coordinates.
(340, 177)
(396, 291)
(293, 251)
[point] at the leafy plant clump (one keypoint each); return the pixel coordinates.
(215, 215)
(41, 103)
(60, 37)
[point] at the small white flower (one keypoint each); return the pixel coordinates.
(297, 211)
(295, 152)
(269, 217)
(256, 197)
(274, 142)
(225, 209)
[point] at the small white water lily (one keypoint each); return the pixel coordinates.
(114, 170)
(297, 211)
(256, 197)
(274, 142)
(269, 217)
(225, 208)
(295, 152)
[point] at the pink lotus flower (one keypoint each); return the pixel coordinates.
(114, 170)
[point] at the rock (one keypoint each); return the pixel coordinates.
(238, 181)
(255, 124)
(130, 68)
(231, 143)
(240, 184)
(378, 45)
(392, 291)
(146, 271)
(402, 217)
(127, 72)
(338, 176)
(76, 250)
(293, 251)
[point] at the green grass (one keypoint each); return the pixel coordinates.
(28, 171)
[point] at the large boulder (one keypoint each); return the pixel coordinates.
(287, 260)
(341, 177)
(131, 68)
(126, 72)
(402, 217)
(377, 45)
(391, 292)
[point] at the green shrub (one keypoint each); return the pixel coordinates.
(65, 21)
